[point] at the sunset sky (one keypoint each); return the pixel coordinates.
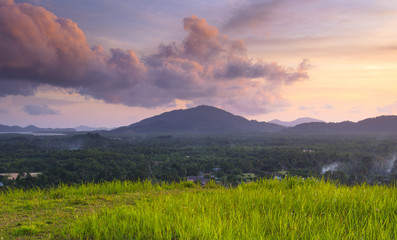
(108, 63)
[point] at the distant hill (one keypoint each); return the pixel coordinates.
(207, 119)
(381, 124)
(33, 129)
(295, 122)
(201, 119)
(83, 128)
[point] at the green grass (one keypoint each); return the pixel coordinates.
(267, 209)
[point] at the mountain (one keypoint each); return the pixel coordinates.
(83, 128)
(201, 119)
(33, 129)
(207, 119)
(295, 122)
(381, 124)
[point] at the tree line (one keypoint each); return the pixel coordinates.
(94, 158)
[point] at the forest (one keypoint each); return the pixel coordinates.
(228, 159)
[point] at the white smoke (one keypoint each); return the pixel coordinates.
(330, 167)
(390, 163)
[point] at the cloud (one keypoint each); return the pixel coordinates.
(328, 106)
(5, 105)
(305, 108)
(252, 15)
(304, 18)
(41, 49)
(275, 15)
(311, 109)
(316, 109)
(38, 110)
(355, 109)
(388, 109)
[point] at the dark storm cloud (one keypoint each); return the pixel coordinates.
(41, 49)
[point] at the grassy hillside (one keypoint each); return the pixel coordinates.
(267, 209)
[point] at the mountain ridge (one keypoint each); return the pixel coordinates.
(33, 129)
(380, 124)
(295, 122)
(84, 128)
(200, 119)
(208, 119)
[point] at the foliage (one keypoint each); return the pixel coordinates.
(293, 208)
(95, 158)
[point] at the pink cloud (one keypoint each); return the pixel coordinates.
(206, 67)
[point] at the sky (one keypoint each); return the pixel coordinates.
(105, 63)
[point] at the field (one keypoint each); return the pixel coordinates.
(292, 208)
